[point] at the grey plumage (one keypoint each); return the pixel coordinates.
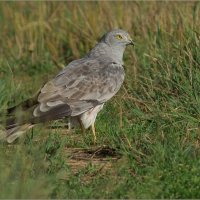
(79, 91)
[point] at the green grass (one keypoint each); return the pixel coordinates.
(151, 125)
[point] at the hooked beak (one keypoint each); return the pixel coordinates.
(130, 42)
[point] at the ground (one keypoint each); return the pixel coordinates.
(148, 135)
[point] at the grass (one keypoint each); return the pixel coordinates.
(148, 135)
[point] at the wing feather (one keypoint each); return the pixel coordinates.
(82, 85)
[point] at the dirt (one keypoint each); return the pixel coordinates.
(101, 158)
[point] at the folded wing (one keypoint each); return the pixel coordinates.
(81, 86)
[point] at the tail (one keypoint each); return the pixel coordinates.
(21, 117)
(17, 120)
(10, 135)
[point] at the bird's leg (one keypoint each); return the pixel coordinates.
(68, 124)
(94, 133)
(81, 125)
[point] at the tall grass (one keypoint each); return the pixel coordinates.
(152, 123)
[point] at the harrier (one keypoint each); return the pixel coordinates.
(78, 92)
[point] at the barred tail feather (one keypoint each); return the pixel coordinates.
(10, 135)
(24, 116)
(17, 120)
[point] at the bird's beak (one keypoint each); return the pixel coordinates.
(130, 41)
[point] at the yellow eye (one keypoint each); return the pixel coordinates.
(118, 37)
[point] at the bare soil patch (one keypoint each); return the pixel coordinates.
(101, 158)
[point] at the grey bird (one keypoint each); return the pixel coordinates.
(78, 92)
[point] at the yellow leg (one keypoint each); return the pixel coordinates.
(94, 133)
(81, 125)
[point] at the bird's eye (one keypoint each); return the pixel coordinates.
(118, 37)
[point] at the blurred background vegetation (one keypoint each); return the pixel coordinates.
(153, 130)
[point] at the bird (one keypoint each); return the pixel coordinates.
(78, 92)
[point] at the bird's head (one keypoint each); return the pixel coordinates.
(117, 37)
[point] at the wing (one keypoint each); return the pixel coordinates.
(82, 85)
